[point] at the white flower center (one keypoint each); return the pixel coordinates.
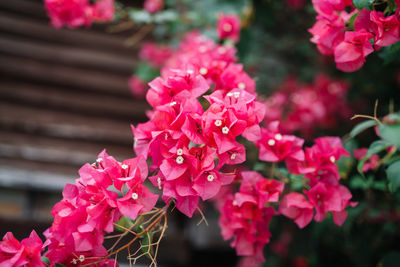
(202, 49)
(241, 86)
(278, 137)
(99, 160)
(227, 27)
(172, 103)
(179, 151)
(203, 71)
(332, 159)
(134, 196)
(222, 50)
(229, 94)
(225, 130)
(124, 166)
(210, 177)
(271, 142)
(81, 258)
(179, 160)
(236, 94)
(189, 71)
(234, 203)
(218, 123)
(233, 156)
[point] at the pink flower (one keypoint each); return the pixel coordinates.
(350, 54)
(386, 29)
(153, 6)
(137, 86)
(228, 26)
(371, 163)
(25, 253)
(298, 208)
(155, 54)
(327, 36)
(103, 10)
(275, 147)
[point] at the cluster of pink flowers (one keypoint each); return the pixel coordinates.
(190, 144)
(25, 253)
(245, 215)
(303, 108)
(76, 13)
(89, 208)
(155, 54)
(350, 41)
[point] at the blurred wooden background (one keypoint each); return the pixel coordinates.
(64, 97)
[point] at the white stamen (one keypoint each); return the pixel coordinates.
(159, 183)
(234, 203)
(210, 178)
(124, 166)
(233, 156)
(222, 50)
(179, 160)
(225, 130)
(218, 123)
(271, 142)
(190, 71)
(227, 27)
(203, 71)
(202, 49)
(74, 261)
(179, 151)
(99, 160)
(332, 159)
(172, 103)
(278, 137)
(81, 258)
(236, 94)
(134, 196)
(241, 86)
(229, 94)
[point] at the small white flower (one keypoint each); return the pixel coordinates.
(225, 130)
(271, 142)
(278, 137)
(227, 27)
(234, 203)
(172, 103)
(203, 71)
(124, 166)
(189, 71)
(81, 258)
(233, 156)
(202, 49)
(236, 94)
(134, 196)
(241, 86)
(74, 261)
(332, 159)
(218, 123)
(179, 160)
(210, 177)
(222, 50)
(179, 151)
(159, 183)
(99, 160)
(229, 94)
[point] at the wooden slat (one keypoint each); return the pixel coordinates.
(62, 54)
(56, 150)
(62, 124)
(22, 68)
(26, 7)
(28, 27)
(74, 100)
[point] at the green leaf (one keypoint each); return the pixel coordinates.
(124, 222)
(393, 175)
(59, 265)
(146, 243)
(146, 72)
(140, 16)
(45, 260)
(351, 20)
(362, 127)
(390, 53)
(390, 133)
(374, 148)
(357, 182)
(360, 4)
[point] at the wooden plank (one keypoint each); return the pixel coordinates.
(125, 108)
(26, 7)
(21, 68)
(56, 150)
(62, 54)
(20, 25)
(46, 122)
